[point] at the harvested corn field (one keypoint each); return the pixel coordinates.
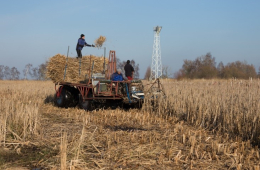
(198, 126)
(56, 67)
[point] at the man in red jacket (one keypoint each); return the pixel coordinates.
(129, 70)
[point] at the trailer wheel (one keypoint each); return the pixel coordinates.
(66, 98)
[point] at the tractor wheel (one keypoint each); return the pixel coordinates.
(87, 105)
(67, 97)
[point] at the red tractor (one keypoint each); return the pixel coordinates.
(98, 91)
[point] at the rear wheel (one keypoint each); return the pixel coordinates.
(87, 105)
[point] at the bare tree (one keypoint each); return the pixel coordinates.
(27, 70)
(42, 71)
(34, 73)
(240, 70)
(39, 73)
(122, 64)
(14, 74)
(179, 74)
(136, 68)
(2, 75)
(147, 73)
(7, 73)
(201, 67)
(220, 69)
(167, 72)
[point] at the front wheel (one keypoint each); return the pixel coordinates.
(139, 105)
(87, 105)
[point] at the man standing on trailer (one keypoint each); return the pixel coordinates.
(129, 70)
(82, 43)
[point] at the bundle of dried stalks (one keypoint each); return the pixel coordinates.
(63, 151)
(56, 68)
(99, 42)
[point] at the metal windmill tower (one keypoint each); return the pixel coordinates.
(156, 68)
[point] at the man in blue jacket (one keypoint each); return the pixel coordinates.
(117, 76)
(82, 43)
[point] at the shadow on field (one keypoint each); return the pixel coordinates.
(49, 99)
(124, 128)
(28, 156)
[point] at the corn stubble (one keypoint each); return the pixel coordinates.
(209, 124)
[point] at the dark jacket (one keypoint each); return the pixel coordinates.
(81, 43)
(117, 77)
(128, 70)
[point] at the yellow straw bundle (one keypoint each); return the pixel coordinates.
(56, 66)
(99, 42)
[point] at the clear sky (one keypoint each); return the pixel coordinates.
(32, 31)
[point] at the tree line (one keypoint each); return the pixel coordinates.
(39, 72)
(206, 67)
(29, 72)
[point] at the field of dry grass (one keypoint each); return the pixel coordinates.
(202, 124)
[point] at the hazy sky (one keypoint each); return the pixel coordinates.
(32, 31)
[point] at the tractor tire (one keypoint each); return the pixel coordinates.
(67, 97)
(87, 105)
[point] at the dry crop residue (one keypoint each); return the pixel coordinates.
(117, 139)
